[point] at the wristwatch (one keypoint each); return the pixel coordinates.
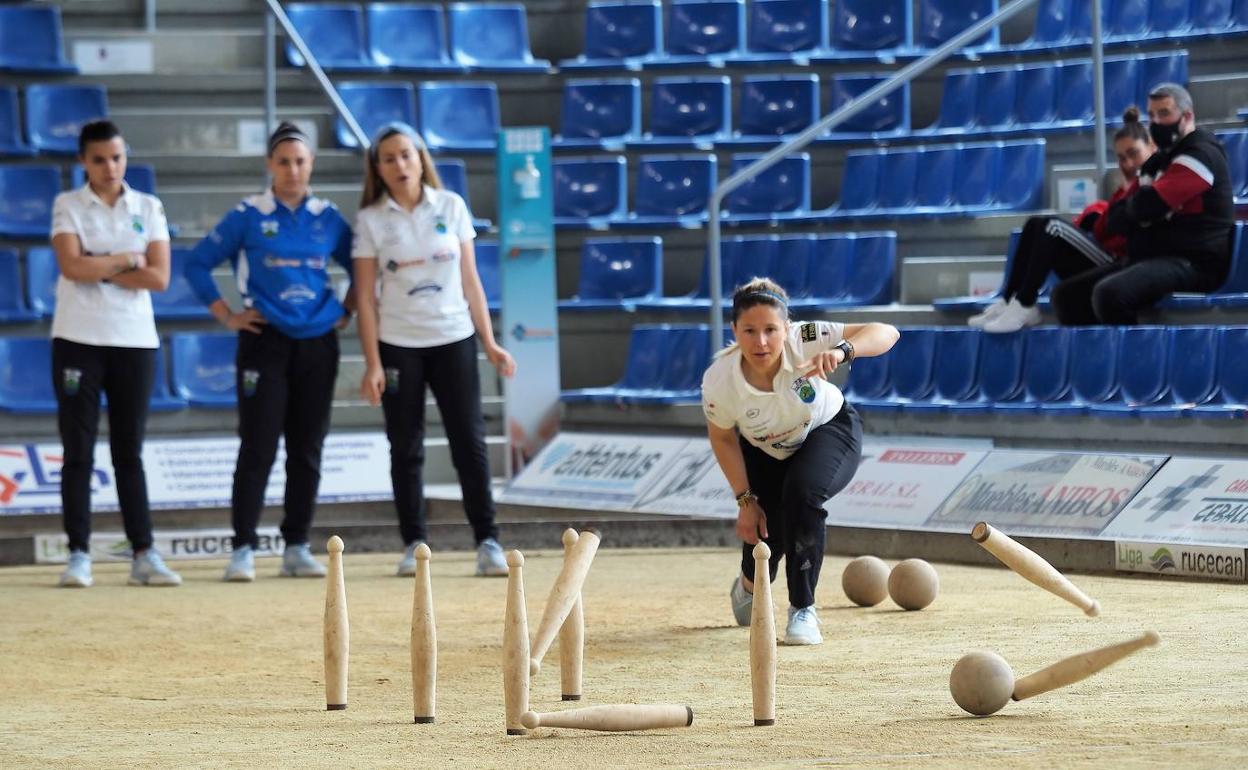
(745, 498)
(847, 348)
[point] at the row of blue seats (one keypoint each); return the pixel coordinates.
(375, 37)
(664, 366)
(27, 193)
(628, 34)
(1233, 293)
(54, 115)
(31, 40)
(1103, 371)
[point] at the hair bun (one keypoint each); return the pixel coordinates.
(1131, 114)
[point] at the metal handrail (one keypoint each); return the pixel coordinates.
(270, 73)
(856, 105)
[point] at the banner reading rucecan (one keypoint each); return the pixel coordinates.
(1191, 500)
(1206, 561)
(1045, 493)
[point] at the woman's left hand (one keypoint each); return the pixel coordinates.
(501, 359)
(824, 363)
(345, 321)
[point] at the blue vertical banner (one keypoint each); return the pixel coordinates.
(530, 311)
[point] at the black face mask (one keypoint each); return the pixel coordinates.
(1164, 135)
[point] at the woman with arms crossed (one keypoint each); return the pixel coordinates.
(423, 331)
(785, 438)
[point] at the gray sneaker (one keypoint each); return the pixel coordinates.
(490, 559)
(242, 566)
(77, 573)
(297, 561)
(803, 626)
(742, 602)
(407, 565)
(148, 569)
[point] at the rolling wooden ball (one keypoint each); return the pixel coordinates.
(865, 581)
(981, 683)
(913, 584)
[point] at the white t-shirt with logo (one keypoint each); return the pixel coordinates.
(422, 302)
(776, 422)
(102, 313)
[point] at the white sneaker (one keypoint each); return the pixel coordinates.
(77, 573)
(803, 627)
(297, 561)
(149, 569)
(242, 566)
(1013, 318)
(407, 565)
(992, 311)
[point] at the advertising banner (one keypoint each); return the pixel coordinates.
(173, 546)
(1204, 561)
(899, 485)
(1190, 500)
(1045, 493)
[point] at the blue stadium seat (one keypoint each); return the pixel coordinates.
(957, 103)
(1143, 369)
(741, 258)
(955, 374)
(1019, 181)
(1000, 372)
(869, 384)
(590, 193)
(373, 105)
(875, 27)
(688, 112)
(490, 272)
(1231, 399)
(163, 399)
(42, 273)
(995, 97)
(1046, 370)
(1127, 20)
(459, 116)
(408, 36)
(599, 114)
(334, 33)
(974, 304)
(492, 37)
(620, 34)
(1236, 144)
(30, 40)
(899, 173)
(872, 272)
(454, 175)
(910, 365)
(26, 195)
(1074, 93)
(1035, 107)
(13, 308)
(1192, 375)
(887, 117)
(784, 31)
(178, 302)
(1053, 28)
(1156, 69)
(702, 33)
(25, 379)
(11, 141)
(680, 381)
(791, 269)
(648, 348)
(1122, 85)
(1089, 385)
(139, 176)
(55, 115)
(1213, 17)
(1234, 290)
(203, 368)
(827, 276)
(773, 107)
(975, 177)
(779, 194)
(672, 190)
(864, 167)
(617, 273)
(940, 20)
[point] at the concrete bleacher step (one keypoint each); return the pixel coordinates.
(200, 130)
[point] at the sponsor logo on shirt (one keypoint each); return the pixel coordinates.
(804, 390)
(440, 225)
(444, 256)
(428, 287)
(394, 265)
(251, 379)
(274, 263)
(296, 294)
(70, 380)
(137, 224)
(268, 228)
(810, 332)
(317, 263)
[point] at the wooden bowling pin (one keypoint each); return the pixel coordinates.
(515, 646)
(622, 718)
(563, 595)
(763, 641)
(337, 631)
(1030, 565)
(571, 636)
(424, 643)
(1077, 667)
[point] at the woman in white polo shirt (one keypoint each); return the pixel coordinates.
(422, 331)
(785, 437)
(112, 248)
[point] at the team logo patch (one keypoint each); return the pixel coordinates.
(268, 228)
(71, 379)
(810, 332)
(137, 224)
(440, 226)
(251, 379)
(804, 390)
(392, 380)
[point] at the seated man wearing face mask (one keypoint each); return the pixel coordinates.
(1178, 222)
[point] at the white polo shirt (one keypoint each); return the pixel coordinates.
(422, 302)
(776, 422)
(101, 313)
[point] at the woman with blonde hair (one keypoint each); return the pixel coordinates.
(421, 330)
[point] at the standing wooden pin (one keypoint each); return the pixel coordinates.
(763, 641)
(515, 646)
(337, 632)
(1030, 565)
(571, 636)
(424, 643)
(563, 594)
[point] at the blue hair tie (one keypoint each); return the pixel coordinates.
(763, 293)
